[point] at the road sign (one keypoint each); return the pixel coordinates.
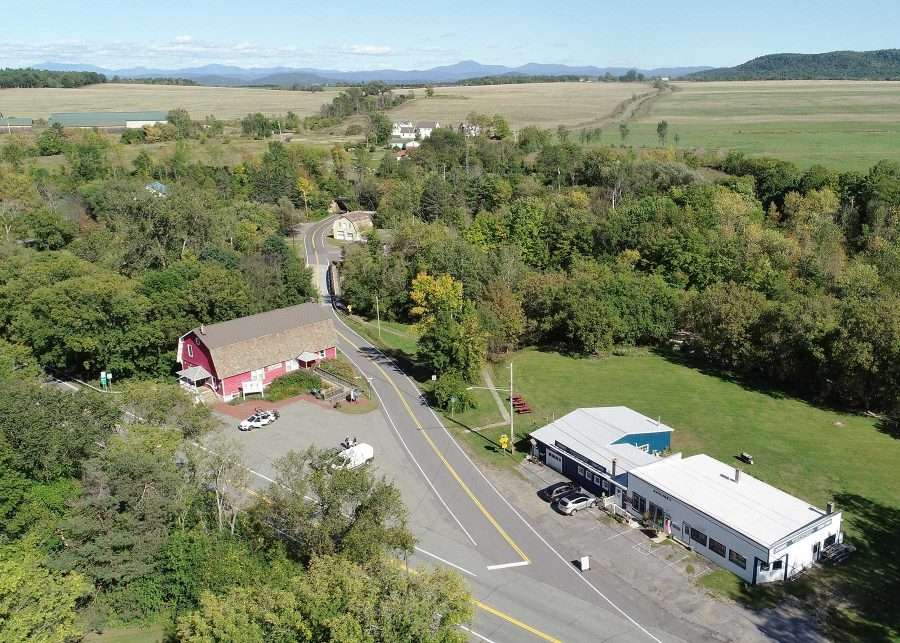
(504, 442)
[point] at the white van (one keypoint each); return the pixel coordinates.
(355, 456)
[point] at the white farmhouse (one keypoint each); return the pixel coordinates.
(750, 528)
(351, 226)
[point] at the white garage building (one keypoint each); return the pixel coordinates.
(760, 533)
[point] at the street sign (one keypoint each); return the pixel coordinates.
(504, 442)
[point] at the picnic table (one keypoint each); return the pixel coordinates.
(520, 405)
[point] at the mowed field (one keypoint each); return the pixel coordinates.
(842, 124)
(542, 104)
(221, 102)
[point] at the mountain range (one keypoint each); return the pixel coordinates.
(880, 64)
(286, 76)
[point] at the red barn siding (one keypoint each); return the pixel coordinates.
(232, 385)
(201, 355)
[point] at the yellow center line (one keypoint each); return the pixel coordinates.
(490, 610)
(440, 455)
(516, 622)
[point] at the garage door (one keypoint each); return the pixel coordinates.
(554, 460)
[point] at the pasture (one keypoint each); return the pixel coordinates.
(222, 102)
(542, 104)
(841, 124)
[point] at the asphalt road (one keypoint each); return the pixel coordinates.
(525, 589)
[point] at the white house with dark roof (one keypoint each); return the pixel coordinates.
(747, 526)
(597, 447)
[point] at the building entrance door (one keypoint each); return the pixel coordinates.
(816, 547)
(685, 534)
(554, 460)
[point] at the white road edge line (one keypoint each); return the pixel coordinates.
(406, 448)
(446, 562)
(476, 634)
(566, 563)
(518, 563)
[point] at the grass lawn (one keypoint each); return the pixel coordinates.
(847, 125)
(154, 633)
(815, 453)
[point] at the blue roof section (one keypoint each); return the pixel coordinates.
(600, 434)
(103, 119)
(14, 121)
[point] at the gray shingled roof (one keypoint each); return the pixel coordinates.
(262, 324)
(256, 341)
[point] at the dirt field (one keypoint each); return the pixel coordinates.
(541, 104)
(222, 102)
(844, 124)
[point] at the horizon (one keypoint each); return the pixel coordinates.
(355, 37)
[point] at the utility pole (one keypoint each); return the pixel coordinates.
(512, 414)
(378, 315)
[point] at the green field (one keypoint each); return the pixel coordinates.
(842, 124)
(815, 453)
(222, 102)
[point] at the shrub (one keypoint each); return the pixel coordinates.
(293, 384)
(449, 393)
(339, 367)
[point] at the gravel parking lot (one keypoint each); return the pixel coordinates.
(304, 423)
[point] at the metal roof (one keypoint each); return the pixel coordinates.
(156, 186)
(749, 506)
(103, 119)
(592, 433)
(194, 374)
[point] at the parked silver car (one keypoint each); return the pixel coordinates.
(575, 501)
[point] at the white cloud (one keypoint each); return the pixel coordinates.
(367, 50)
(187, 51)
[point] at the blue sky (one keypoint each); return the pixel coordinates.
(372, 35)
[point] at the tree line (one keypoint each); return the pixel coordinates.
(781, 275)
(43, 78)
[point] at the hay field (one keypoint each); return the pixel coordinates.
(843, 124)
(222, 102)
(541, 104)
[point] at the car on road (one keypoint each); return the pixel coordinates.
(575, 501)
(356, 456)
(557, 489)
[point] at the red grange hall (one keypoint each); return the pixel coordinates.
(246, 354)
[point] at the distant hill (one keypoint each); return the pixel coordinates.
(883, 64)
(288, 76)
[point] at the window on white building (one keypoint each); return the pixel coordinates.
(644, 447)
(717, 547)
(737, 559)
(698, 536)
(777, 564)
(581, 471)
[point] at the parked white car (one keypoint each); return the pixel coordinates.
(575, 501)
(354, 457)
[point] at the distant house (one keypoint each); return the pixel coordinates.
(352, 226)
(425, 128)
(108, 120)
(405, 131)
(245, 355)
(11, 124)
(596, 447)
(157, 189)
(469, 129)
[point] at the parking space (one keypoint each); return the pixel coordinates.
(663, 572)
